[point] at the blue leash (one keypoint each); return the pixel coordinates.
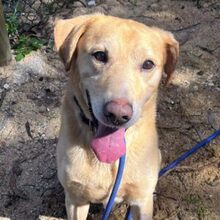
(115, 188)
(188, 153)
(161, 173)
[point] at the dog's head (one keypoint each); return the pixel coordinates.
(118, 62)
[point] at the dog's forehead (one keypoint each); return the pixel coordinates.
(121, 31)
(123, 37)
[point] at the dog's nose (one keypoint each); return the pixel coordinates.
(118, 111)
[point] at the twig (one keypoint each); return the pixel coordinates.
(176, 129)
(186, 28)
(197, 132)
(210, 51)
(142, 16)
(34, 156)
(2, 97)
(83, 3)
(167, 197)
(182, 169)
(168, 128)
(28, 129)
(133, 2)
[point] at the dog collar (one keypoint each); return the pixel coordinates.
(93, 124)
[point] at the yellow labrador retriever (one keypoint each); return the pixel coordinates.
(115, 66)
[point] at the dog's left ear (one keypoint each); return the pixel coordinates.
(172, 54)
(66, 36)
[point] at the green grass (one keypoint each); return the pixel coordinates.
(21, 44)
(12, 24)
(25, 44)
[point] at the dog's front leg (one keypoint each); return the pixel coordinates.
(75, 212)
(143, 209)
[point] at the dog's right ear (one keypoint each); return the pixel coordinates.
(66, 36)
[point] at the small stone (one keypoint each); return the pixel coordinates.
(186, 83)
(154, 6)
(170, 101)
(210, 77)
(91, 3)
(77, 4)
(195, 88)
(6, 86)
(42, 109)
(205, 5)
(211, 84)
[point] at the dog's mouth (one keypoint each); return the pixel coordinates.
(108, 142)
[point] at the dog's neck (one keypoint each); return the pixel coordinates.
(91, 123)
(79, 132)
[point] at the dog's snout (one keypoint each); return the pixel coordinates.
(118, 111)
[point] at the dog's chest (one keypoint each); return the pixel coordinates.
(88, 181)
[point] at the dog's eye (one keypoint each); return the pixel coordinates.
(148, 65)
(101, 56)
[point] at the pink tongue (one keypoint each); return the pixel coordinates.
(109, 144)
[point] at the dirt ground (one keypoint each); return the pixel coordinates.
(188, 111)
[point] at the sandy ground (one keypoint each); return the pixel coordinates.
(188, 111)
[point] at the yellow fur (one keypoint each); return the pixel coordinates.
(129, 44)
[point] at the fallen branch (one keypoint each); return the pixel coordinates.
(28, 129)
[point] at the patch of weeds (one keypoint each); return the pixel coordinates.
(197, 202)
(12, 24)
(201, 212)
(49, 7)
(192, 199)
(133, 2)
(25, 44)
(22, 44)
